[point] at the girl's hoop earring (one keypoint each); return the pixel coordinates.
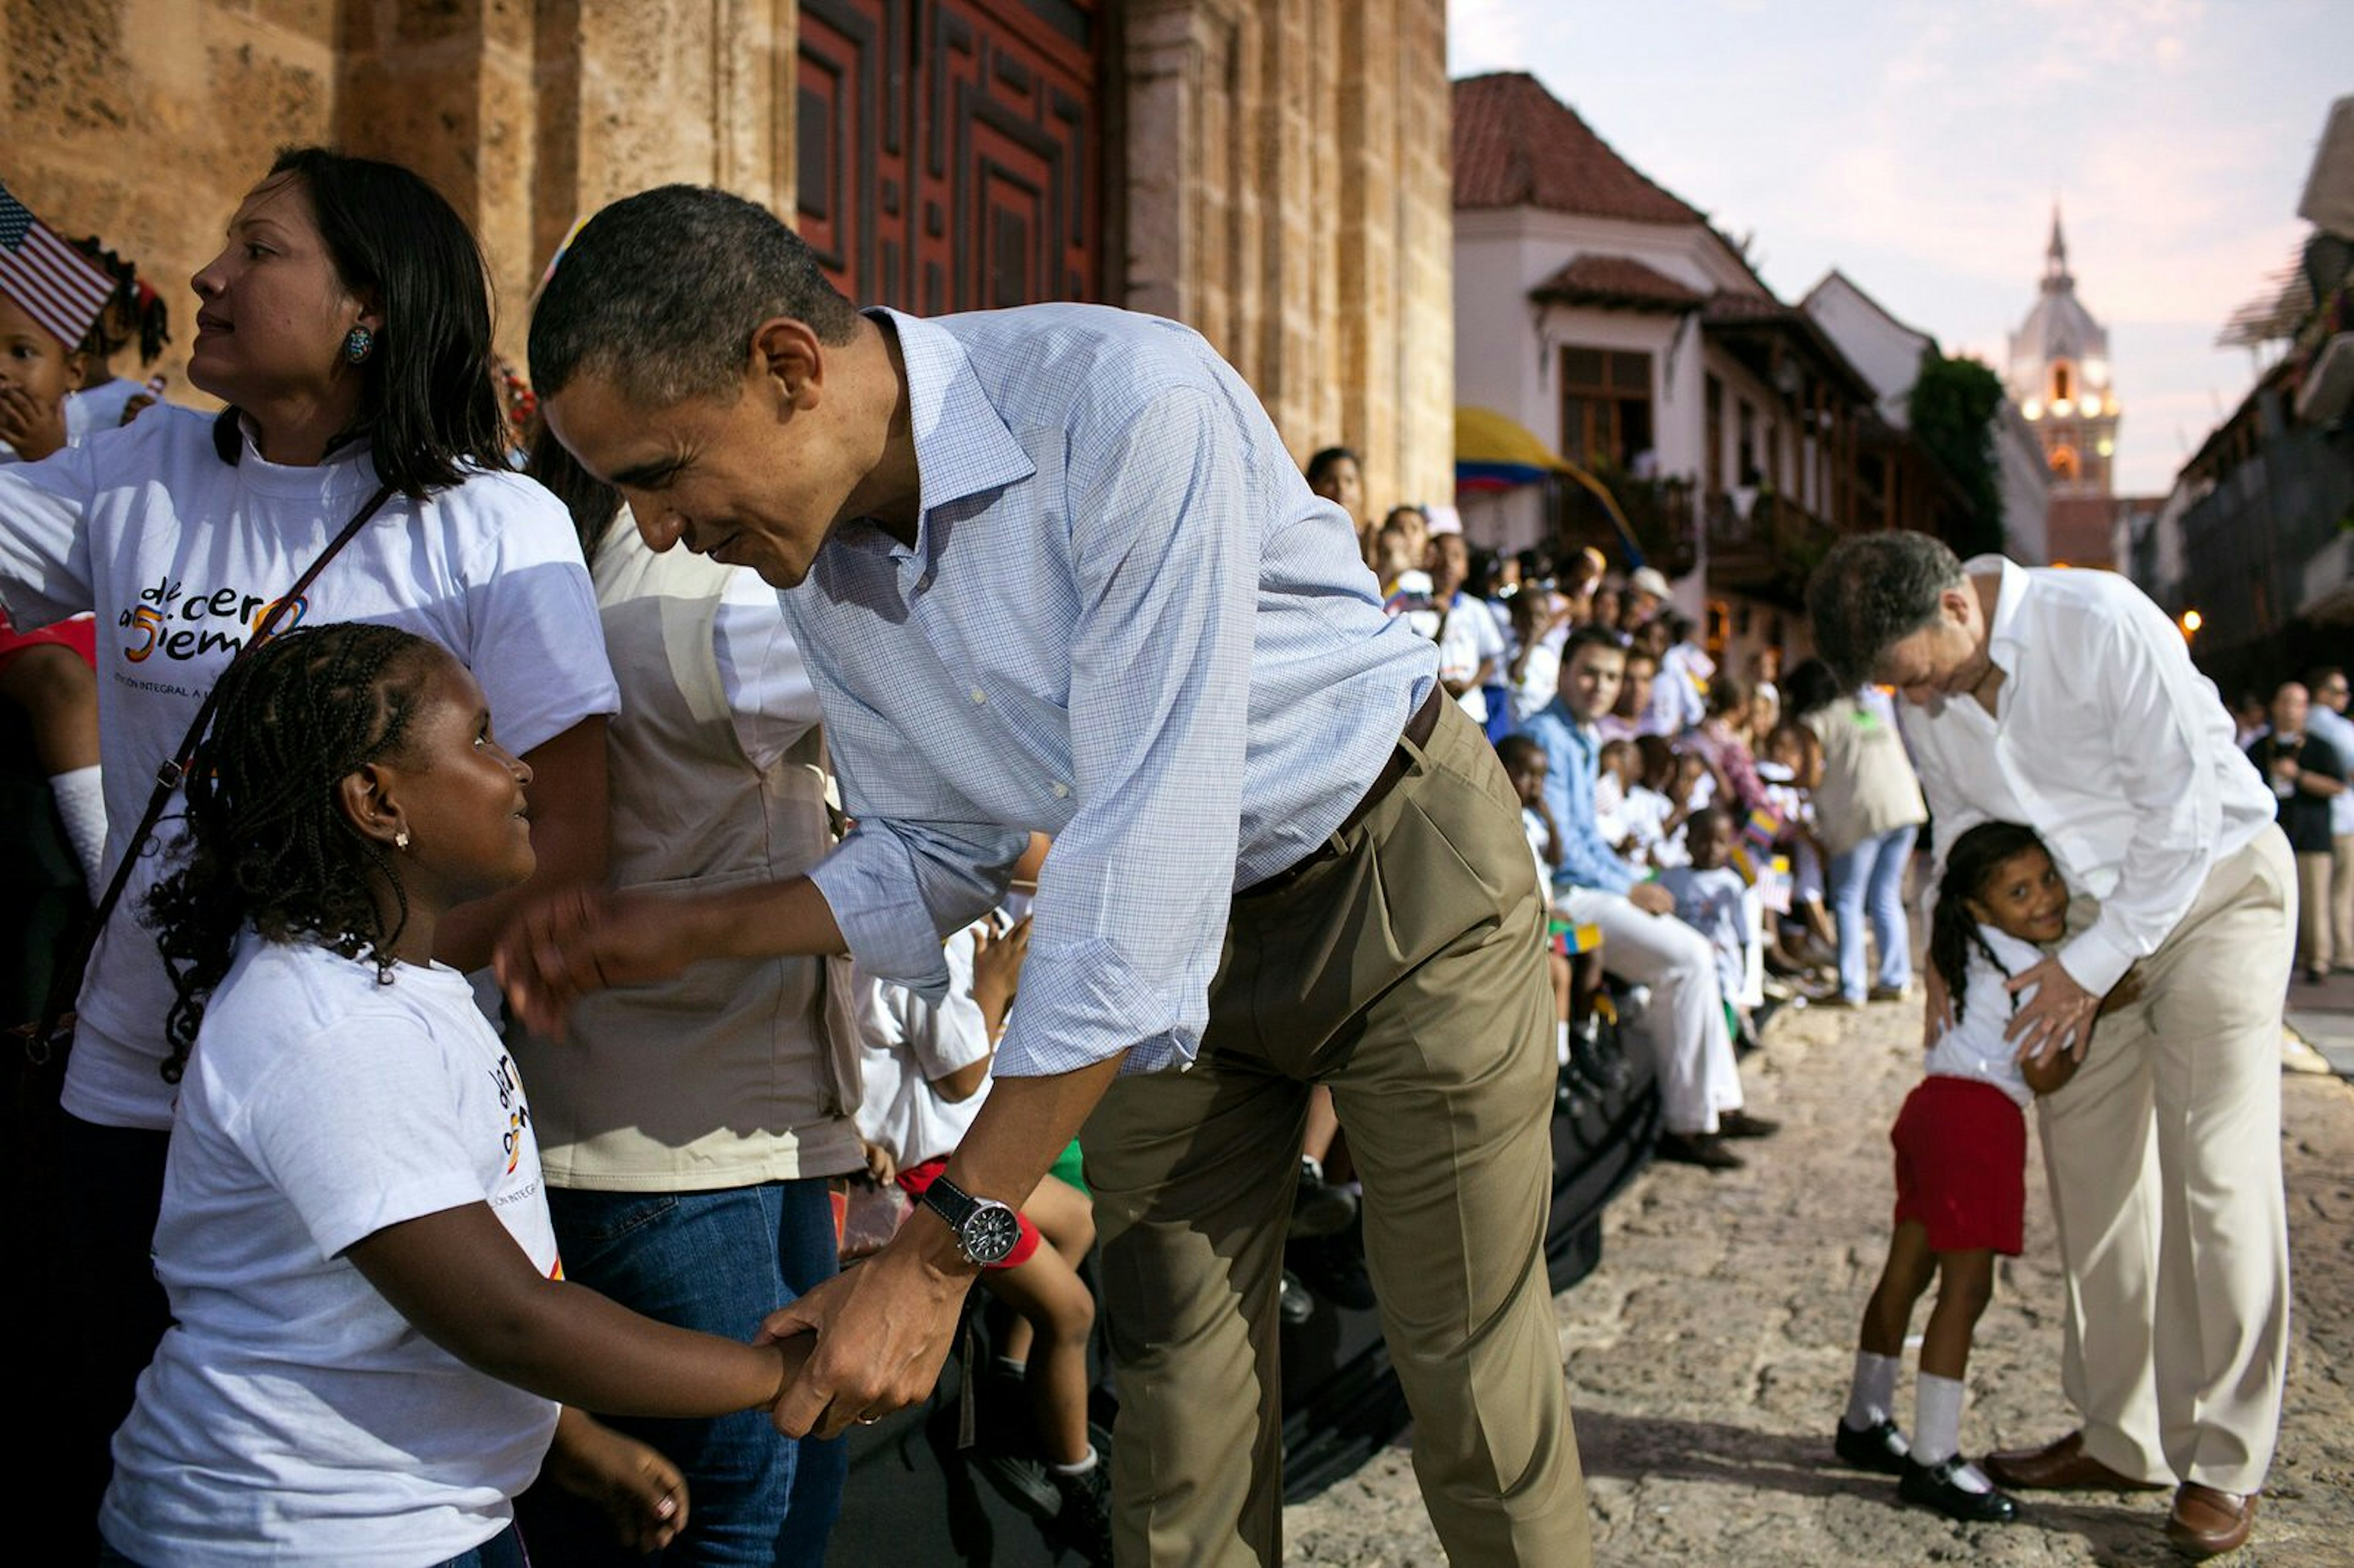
(400, 839)
(358, 343)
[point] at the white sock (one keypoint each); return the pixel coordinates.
(1561, 1044)
(1006, 1366)
(1872, 1395)
(1312, 1167)
(1937, 1428)
(81, 806)
(1079, 1468)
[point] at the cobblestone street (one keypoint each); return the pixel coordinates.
(1709, 1354)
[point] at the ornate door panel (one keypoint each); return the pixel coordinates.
(949, 150)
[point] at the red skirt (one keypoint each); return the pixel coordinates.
(1961, 1165)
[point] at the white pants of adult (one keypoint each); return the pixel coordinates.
(2165, 1163)
(1683, 1028)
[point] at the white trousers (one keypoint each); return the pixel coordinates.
(1684, 1026)
(2165, 1163)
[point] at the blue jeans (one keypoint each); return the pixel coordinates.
(720, 1262)
(503, 1550)
(1868, 881)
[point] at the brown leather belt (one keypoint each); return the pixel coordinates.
(1419, 727)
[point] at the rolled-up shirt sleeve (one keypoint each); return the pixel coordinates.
(921, 864)
(1134, 899)
(2170, 791)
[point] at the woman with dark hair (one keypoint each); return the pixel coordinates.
(346, 324)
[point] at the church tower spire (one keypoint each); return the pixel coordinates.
(2058, 377)
(2056, 277)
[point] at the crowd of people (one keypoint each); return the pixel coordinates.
(1113, 845)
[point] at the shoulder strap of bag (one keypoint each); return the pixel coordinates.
(66, 984)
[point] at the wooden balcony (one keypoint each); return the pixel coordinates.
(1767, 550)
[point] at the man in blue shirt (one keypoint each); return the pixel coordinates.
(1052, 569)
(1699, 1087)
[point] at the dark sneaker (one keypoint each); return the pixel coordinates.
(1024, 1482)
(1295, 1306)
(1880, 1449)
(1934, 1486)
(1705, 1149)
(1334, 1268)
(1741, 1124)
(1083, 1522)
(1320, 1208)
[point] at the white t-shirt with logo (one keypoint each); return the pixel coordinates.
(1975, 1048)
(290, 1415)
(180, 554)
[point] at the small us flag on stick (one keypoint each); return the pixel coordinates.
(57, 286)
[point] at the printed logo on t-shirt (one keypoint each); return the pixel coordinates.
(179, 624)
(510, 1100)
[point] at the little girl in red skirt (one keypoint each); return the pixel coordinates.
(1961, 1163)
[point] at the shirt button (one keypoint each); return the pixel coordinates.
(978, 695)
(1061, 789)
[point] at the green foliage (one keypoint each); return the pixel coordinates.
(1952, 413)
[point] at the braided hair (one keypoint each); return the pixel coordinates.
(143, 304)
(1969, 865)
(268, 842)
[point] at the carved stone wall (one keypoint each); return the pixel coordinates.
(1286, 194)
(1272, 172)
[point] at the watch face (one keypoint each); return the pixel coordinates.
(989, 1232)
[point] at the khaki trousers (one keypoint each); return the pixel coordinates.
(2165, 1165)
(2314, 940)
(1406, 972)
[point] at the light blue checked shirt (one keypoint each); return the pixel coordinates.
(1125, 621)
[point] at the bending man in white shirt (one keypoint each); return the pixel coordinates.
(2067, 701)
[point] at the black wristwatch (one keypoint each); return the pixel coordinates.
(985, 1229)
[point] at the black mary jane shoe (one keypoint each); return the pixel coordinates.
(1932, 1486)
(1880, 1449)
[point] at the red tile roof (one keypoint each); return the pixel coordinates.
(1518, 145)
(1595, 279)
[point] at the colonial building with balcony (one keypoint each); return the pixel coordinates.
(1610, 319)
(1890, 354)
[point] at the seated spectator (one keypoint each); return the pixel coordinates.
(1678, 698)
(1659, 799)
(1684, 1027)
(1339, 476)
(926, 1074)
(1471, 649)
(1720, 741)
(50, 675)
(104, 400)
(1538, 619)
(1715, 900)
(1577, 979)
(1626, 717)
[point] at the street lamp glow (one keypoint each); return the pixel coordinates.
(2191, 622)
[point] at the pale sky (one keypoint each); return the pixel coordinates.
(1918, 146)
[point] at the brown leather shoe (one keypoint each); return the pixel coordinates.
(2208, 1523)
(2063, 1467)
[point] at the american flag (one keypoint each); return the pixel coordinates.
(57, 286)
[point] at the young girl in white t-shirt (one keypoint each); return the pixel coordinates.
(1961, 1161)
(372, 1335)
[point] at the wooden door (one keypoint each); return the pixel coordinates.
(949, 152)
